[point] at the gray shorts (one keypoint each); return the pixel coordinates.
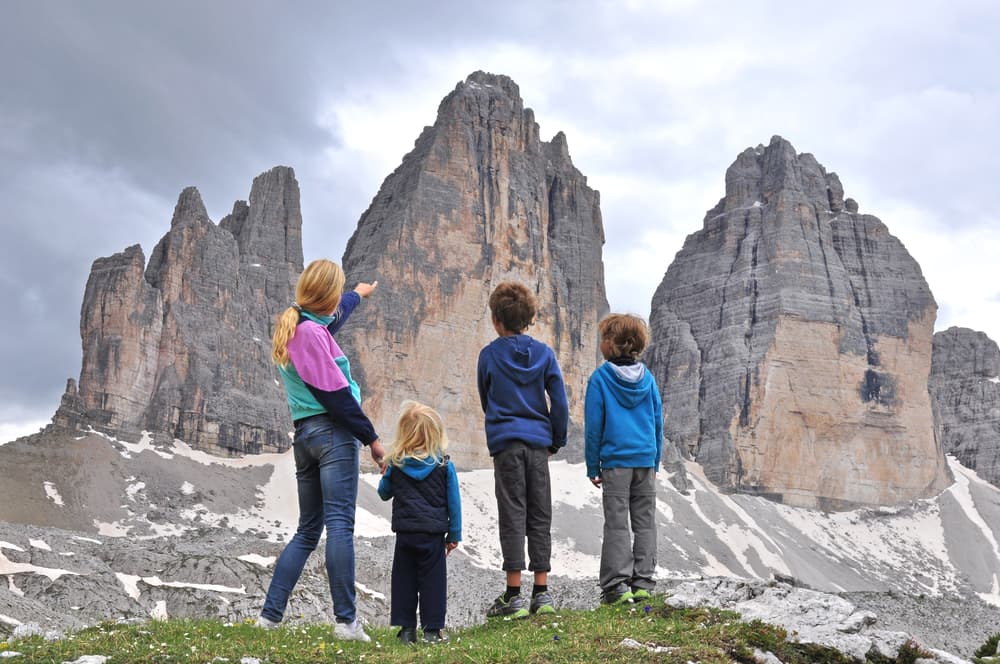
(524, 506)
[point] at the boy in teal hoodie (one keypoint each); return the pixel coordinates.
(623, 432)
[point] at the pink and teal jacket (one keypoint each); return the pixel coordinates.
(318, 376)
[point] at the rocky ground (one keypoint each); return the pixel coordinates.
(203, 533)
(211, 558)
(956, 624)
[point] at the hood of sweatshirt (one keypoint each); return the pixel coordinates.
(418, 469)
(519, 357)
(629, 384)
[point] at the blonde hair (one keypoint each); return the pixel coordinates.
(626, 333)
(419, 434)
(318, 291)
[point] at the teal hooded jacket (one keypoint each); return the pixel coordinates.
(623, 419)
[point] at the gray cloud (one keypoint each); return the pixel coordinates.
(110, 108)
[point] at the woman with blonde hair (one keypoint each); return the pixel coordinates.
(330, 426)
(427, 519)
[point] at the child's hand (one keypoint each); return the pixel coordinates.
(449, 547)
(596, 481)
(378, 454)
(364, 290)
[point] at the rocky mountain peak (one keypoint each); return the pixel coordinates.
(189, 209)
(963, 353)
(481, 79)
(181, 347)
(792, 341)
(965, 386)
(763, 174)
(480, 200)
(260, 227)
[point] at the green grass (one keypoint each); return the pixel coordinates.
(987, 653)
(691, 635)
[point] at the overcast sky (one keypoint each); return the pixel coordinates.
(109, 109)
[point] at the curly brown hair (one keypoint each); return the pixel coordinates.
(626, 335)
(513, 306)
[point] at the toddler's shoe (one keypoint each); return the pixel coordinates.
(435, 636)
(615, 595)
(641, 593)
(512, 609)
(407, 635)
(352, 631)
(542, 603)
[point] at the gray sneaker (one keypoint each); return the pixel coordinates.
(620, 594)
(265, 623)
(352, 631)
(542, 603)
(512, 609)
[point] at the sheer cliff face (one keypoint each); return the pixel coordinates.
(792, 342)
(182, 347)
(965, 386)
(480, 200)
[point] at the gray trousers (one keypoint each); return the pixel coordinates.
(629, 498)
(524, 506)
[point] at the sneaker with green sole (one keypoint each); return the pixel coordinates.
(511, 609)
(616, 595)
(541, 603)
(641, 593)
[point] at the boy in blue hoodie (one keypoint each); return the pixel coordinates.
(623, 431)
(427, 520)
(523, 429)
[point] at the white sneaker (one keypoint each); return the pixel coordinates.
(352, 631)
(265, 623)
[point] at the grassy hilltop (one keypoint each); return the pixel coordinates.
(649, 632)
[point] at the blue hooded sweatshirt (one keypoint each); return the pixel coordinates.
(514, 375)
(623, 419)
(424, 501)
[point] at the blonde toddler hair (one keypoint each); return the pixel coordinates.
(419, 434)
(318, 291)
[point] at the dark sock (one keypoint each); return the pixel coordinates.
(539, 588)
(512, 591)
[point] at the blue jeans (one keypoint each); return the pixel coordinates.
(326, 468)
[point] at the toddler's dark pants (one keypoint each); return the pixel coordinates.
(419, 574)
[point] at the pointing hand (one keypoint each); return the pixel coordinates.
(364, 290)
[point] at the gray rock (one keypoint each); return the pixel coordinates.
(762, 657)
(965, 386)
(784, 336)
(632, 644)
(856, 622)
(807, 615)
(26, 631)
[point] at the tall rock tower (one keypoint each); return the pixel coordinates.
(182, 347)
(792, 343)
(965, 386)
(479, 200)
